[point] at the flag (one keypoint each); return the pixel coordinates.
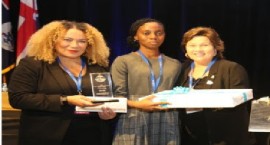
(27, 25)
(8, 53)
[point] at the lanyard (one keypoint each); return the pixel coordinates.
(191, 85)
(154, 82)
(78, 81)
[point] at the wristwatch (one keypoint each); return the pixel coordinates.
(63, 100)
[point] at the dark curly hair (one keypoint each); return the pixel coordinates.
(134, 28)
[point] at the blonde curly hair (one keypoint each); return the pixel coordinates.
(42, 43)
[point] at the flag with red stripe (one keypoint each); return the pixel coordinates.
(28, 20)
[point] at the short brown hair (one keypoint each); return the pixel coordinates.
(208, 32)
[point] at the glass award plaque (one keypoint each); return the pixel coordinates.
(260, 115)
(101, 84)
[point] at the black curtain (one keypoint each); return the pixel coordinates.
(242, 24)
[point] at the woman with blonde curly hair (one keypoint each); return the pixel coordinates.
(53, 79)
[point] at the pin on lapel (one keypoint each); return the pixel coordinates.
(209, 82)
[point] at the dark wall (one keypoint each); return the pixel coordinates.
(242, 24)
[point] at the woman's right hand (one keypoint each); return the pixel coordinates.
(81, 101)
(147, 104)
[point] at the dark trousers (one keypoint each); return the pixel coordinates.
(90, 131)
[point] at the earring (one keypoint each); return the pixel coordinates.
(186, 55)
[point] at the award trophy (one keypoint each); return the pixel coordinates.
(101, 84)
(103, 95)
(260, 115)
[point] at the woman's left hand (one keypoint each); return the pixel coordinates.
(107, 113)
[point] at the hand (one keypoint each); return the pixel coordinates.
(107, 113)
(82, 101)
(148, 105)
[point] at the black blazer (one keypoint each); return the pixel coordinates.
(224, 74)
(35, 88)
(228, 124)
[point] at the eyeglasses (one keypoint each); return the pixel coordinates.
(79, 42)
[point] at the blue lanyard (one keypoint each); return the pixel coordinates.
(154, 82)
(78, 81)
(191, 85)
